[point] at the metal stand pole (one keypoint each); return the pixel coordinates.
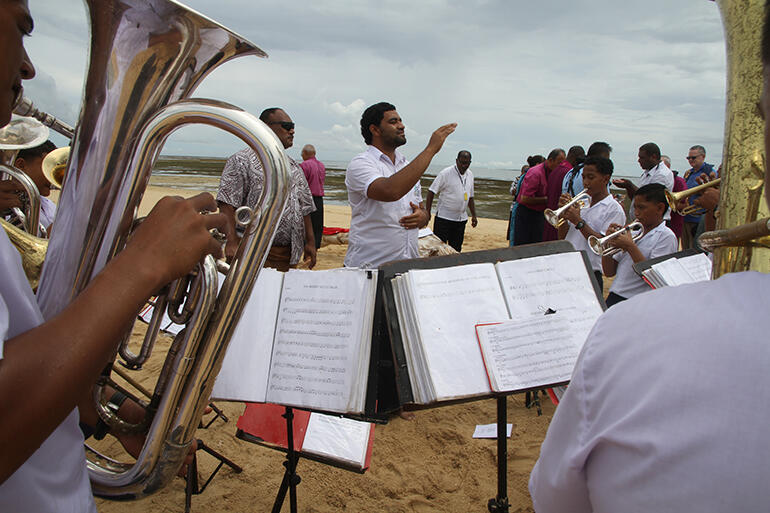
(192, 487)
(290, 477)
(500, 503)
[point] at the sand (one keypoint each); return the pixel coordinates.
(428, 464)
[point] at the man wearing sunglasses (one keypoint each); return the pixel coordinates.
(698, 167)
(242, 183)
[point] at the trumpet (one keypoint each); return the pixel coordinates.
(554, 216)
(674, 198)
(55, 166)
(602, 246)
(25, 107)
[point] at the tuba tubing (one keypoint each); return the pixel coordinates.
(186, 388)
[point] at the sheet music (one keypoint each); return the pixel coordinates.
(318, 348)
(558, 282)
(337, 438)
(448, 303)
(527, 353)
(244, 372)
(698, 265)
(672, 272)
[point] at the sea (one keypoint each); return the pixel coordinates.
(491, 194)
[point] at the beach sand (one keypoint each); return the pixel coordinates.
(428, 464)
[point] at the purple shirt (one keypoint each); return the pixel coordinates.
(315, 173)
(534, 185)
(553, 192)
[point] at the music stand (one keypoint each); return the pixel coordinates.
(193, 487)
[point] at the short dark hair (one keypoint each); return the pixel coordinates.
(599, 148)
(650, 149)
(36, 152)
(267, 113)
(464, 152)
(534, 160)
(373, 116)
(654, 193)
(555, 153)
(700, 149)
(603, 165)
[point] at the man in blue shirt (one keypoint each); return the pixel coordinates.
(697, 160)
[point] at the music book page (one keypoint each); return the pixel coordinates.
(528, 353)
(318, 347)
(244, 372)
(337, 438)
(448, 303)
(559, 283)
(672, 272)
(698, 265)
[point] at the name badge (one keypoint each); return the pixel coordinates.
(466, 197)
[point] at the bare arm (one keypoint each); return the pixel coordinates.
(309, 249)
(429, 200)
(472, 207)
(533, 200)
(37, 395)
(395, 186)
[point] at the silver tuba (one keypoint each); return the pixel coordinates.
(146, 59)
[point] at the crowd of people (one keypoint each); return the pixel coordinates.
(551, 184)
(648, 423)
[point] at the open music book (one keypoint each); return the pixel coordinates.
(304, 340)
(438, 310)
(337, 441)
(676, 270)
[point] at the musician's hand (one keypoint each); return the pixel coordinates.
(613, 227)
(175, 236)
(704, 178)
(9, 194)
(572, 214)
(231, 246)
(474, 222)
(623, 183)
(564, 199)
(623, 241)
(709, 199)
(310, 254)
(417, 219)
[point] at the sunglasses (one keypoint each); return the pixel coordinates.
(692, 158)
(286, 125)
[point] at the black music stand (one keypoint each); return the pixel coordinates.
(290, 477)
(193, 487)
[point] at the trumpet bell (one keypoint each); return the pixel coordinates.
(554, 216)
(674, 198)
(32, 250)
(55, 165)
(601, 246)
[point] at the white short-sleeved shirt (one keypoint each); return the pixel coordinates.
(650, 421)
(454, 191)
(54, 479)
(658, 174)
(657, 242)
(375, 235)
(47, 211)
(598, 217)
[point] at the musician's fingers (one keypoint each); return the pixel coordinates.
(203, 202)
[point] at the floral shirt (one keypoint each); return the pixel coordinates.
(242, 183)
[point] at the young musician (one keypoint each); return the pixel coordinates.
(30, 160)
(650, 205)
(48, 367)
(594, 219)
(650, 421)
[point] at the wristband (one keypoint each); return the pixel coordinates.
(114, 403)
(580, 225)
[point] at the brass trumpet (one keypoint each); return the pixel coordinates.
(554, 216)
(55, 165)
(674, 198)
(601, 246)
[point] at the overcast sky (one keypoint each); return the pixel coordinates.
(518, 77)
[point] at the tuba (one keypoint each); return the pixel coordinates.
(146, 59)
(740, 240)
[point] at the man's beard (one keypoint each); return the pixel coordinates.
(397, 140)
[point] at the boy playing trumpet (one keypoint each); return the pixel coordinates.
(650, 206)
(594, 219)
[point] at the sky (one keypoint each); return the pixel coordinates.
(519, 78)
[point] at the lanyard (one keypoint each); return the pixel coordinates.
(460, 176)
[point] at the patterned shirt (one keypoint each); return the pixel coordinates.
(242, 183)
